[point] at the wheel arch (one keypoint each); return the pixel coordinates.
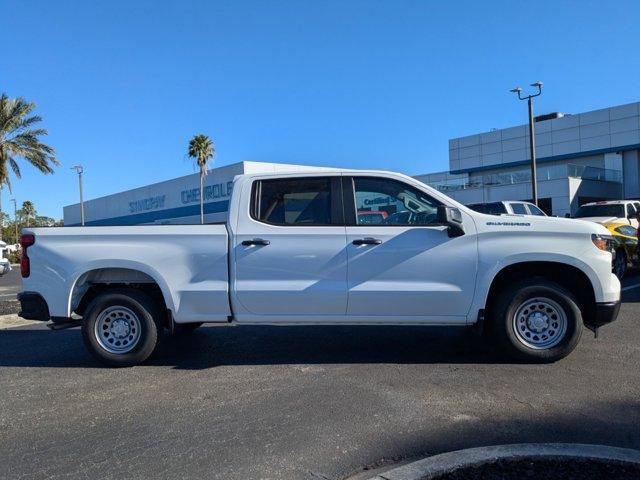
(571, 277)
(98, 278)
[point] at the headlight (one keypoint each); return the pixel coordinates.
(603, 242)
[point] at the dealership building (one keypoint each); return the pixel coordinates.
(581, 158)
(584, 157)
(174, 201)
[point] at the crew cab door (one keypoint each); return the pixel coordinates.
(407, 267)
(289, 250)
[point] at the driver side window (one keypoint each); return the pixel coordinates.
(381, 201)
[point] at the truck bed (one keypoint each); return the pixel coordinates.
(188, 263)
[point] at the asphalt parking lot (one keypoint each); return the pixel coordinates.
(302, 402)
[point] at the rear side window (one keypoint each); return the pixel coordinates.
(518, 208)
(297, 201)
(533, 210)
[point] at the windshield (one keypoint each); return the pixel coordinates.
(601, 211)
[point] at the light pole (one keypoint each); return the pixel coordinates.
(79, 170)
(532, 136)
(15, 216)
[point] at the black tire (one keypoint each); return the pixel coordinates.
(510, 331)
(147, 326)
(186, 327)
(620, 264)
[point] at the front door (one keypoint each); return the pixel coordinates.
(403, 265)
(290, 257)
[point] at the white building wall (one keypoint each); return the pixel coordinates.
(572, 134)
(592, 189)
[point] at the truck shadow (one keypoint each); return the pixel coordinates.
(209, 347)
(248, 345)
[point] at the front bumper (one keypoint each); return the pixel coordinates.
(604, 313)
(33, 306)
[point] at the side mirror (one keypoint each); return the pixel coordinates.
(452, 218)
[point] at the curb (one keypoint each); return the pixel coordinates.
(446, 462)
(13, 320)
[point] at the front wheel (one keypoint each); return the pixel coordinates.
(121, 328)
(537, 321)
(620, 264)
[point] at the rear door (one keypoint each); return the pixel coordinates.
(290, 257)
(407, 268)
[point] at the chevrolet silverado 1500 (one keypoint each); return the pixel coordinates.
(298, 249)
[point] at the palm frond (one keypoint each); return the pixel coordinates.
(15, 167)
(19, 141)
(201, 148)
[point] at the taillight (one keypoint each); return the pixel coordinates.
(26, 240)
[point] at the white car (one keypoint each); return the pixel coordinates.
(5, 266)
(293, 252)
(611, 211)
(508, 208)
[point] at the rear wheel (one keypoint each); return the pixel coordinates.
(121, 328)
(620, 264)
(537, 320)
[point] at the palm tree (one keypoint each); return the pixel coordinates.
(201, 148)
(18, 139)
(28, 210)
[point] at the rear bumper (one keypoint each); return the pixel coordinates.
(33, 306)
(604, 313)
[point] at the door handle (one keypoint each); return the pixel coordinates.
(255, 241)
(367, 241)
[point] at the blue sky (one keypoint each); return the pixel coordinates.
(123, 85)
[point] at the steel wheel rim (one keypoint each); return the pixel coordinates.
(118, 329)
(540, 323)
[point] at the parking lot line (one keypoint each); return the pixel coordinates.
(630, 287)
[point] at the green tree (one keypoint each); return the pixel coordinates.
(28, 211)
(20, 139)
(10, 231)
(44, 221)
(201, 148)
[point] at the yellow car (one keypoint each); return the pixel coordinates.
(625, 241)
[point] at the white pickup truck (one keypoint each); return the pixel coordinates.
(298, 249)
